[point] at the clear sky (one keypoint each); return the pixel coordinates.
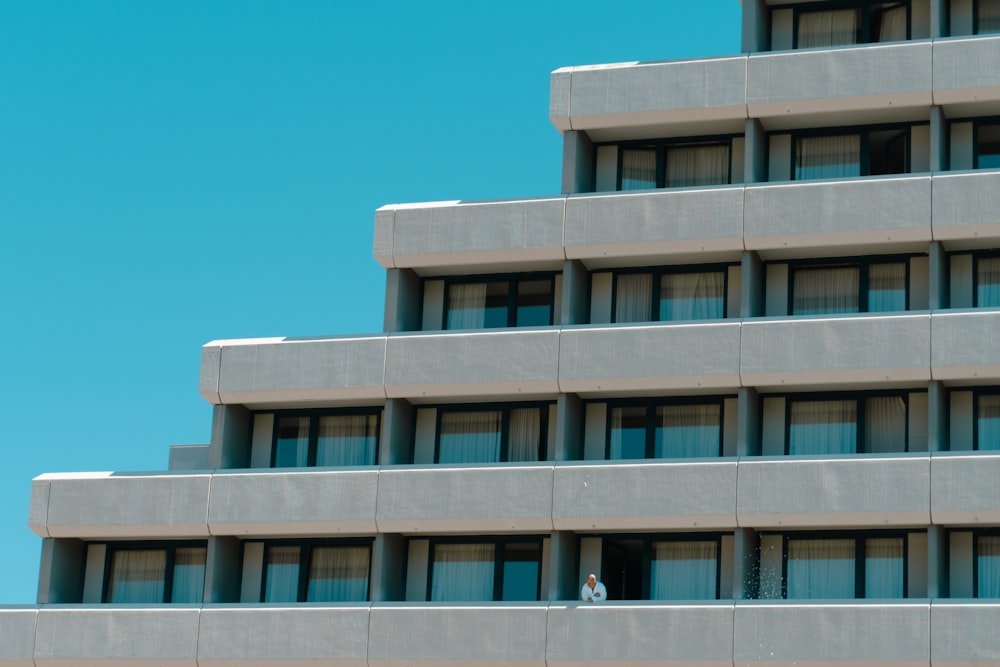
(178, 171)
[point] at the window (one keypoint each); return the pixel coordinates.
(840, 23)
(987, 292)
(847, 425)
(490, 434)
(987, 571)
(850, 152)
(987, 418)
(644, 165)
(987, 16)
(674, 567)
(495, 569)
(849, 286)
(987, 142)
(325, 438)
(824, 567)
(151, 573)
(669, 295)
(525, 301)
(644, 430)
(316, 572)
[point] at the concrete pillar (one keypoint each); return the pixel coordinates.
(939, 292)
(755, 15)
(578, 163)
(222, 569)
(937, 417)
(60, 575)
(937, 562)
(388, 566)
(748, 426)
(562, 568)
(751, 285)
(396, 445)
(569, 420)
(939, 19)
(230, 446)
(755, 152)
(745, 568)
(939, 135)
(574, 293)
(402, 301)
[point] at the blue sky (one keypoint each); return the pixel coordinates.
(178, 171)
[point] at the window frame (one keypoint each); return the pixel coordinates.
(657, 273)
(170, 549)
(661, 146)
(866, 19)
(314, 415)
(863, 263)
(305, 559)
(512, 280)
(864, 156)
(861, 447)
(504, 408)
(651, 404)
(499, 543)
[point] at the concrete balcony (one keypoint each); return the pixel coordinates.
(450, 499)
(661, 496)
(119, 505)
(426, 636)
(17, 637)
(283, 637)
(966, 206)
(964, 633)
(701, 95)
(680, 224)
(512, 363)
(277, 371)
(647, 634)
(834, 492)
(831, 633)
(126, 635)
(303, 502)
(964, 489)
(636, 358)
(855, 80)
(963, 79)
(972, 352)
(864, 216)
(440, 235)
(807, 352)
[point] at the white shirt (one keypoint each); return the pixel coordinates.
(596, 594)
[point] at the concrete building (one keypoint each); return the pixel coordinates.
(746, 367)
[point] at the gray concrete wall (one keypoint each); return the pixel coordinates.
(972, 349)
(965, 209)
(963, 489)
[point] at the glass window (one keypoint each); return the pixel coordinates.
(987, 16)
(987, 282)
(316, 572)
(638, 170)
(886, 287)
(681, 430)
(860, 152)
(672, 164)
(154, 575)
(684, 570)
(466, 572)
(688, 166)
(669, 296)
(988, 566)
(858, 286)
(628, 433)
(512, 302)
(492, 435)
(281, 578)
(988, 422)
(825, 568)
(872, 22)
(340, 438)
(831, 426)
(291, 442)
(988, 146)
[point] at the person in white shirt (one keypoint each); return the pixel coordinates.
(593, 590)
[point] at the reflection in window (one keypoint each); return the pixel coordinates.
(826, 568)
(671, 165)
(169, 574)
(669, 296)
(515, 302)
(466, 572)
(315, 439)
(832, 426)
(856, 287)
(316, 573)
(490, 436)
(665, 431)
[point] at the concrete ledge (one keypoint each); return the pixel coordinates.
(828, 633)
(967, 208)
(451, 499)
(38, 508)
(292, 637)
(208, 380)
(17, 637)
(124, 635)
(645, 496)
(964, 634)
(970, 348)
(831, 351)
(962, 71)
(660, 357)
(131, 506)
(964, 490)
(618, 634)
(303, 502)
(385, 219)
(425, 636)
(858, 491)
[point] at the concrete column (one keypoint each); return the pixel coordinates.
(939, 140)
(388, 566)
(562, 568)
(745, 568)
(230, 446)
(939, 292)
(222, 568)
(578, 163)
(937, 417)
(60, 574)
(402, 301)
(939, 19)
(755, 17)
(396, 446)
(574, 293)
(937, 562)
(569, 438)
(755, 152)
(751, 285)
(748, 427)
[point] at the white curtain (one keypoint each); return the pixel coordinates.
(828, 28)
(469, 437)
(987, 282)
(823, 427)
(338, 574)
(828, 157)
(691, 296)
(988, 552)
(884, 567)
(687, 431)
(885, 424)
(822, 291)
(638, 169)
(466, 306)
(697, 165)
(683, 571)
(892, 27)
(628, 433)
(633, 297)
(820, 569)
(886, 287)
(525, 430)
(346, 440)
(988, 422)
(189, 575)
(292, 446)
(988, 16)
(282, 575)
(137, 575)
(462, 572)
